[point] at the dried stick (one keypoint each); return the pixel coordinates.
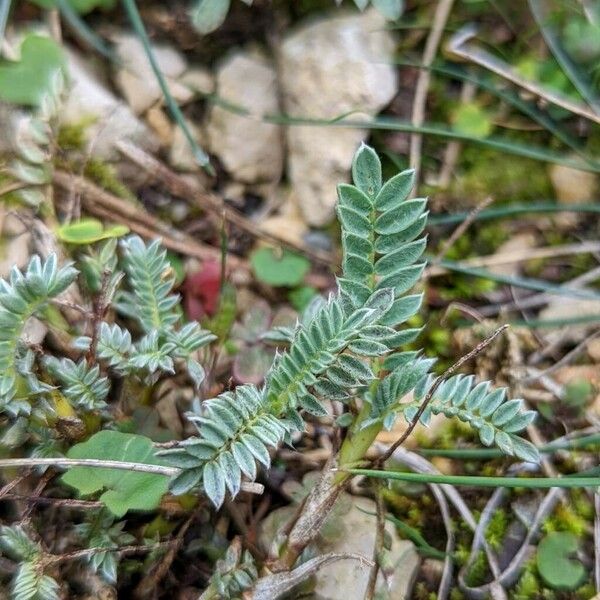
(8, 463)
(460, 47)
(597, 541)
(60, 502)
(452, 151)
(179, 186)
(123, 551)
(517, 256)
(103, 204)
(461, 229)
(436, 384)
(442, 12)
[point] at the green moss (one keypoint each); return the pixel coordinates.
(586, 591)
(528, 586)
(73, 136)
(105, 175)
(487, 172)
(564, 518)
(496, 529)
(456, 594)
(478, 572)
(422, 593)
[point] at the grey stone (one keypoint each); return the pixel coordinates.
(250, 150)
(331, 67)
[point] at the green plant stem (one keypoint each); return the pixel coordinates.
(511, 210)
(384, 123)
(484, 453)
(527, 283)
(138, 26)
(414, 535)
(357, 443)
(475, 481)
(84, 31)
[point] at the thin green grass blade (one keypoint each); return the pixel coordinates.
(494, 142)
(140, 30)
(510, 97)
(570, 69)
(439, 130)
(527, 283)
(81, 28)
(476, 481)
(486, 453)
(510, 210)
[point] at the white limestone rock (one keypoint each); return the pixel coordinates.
(250, 150)
(328, 68)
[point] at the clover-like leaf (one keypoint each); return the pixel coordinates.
(123, 490)
(555, 561)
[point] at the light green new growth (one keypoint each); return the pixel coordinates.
(348, 349)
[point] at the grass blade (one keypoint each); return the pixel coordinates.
(510, 97)
(138, 26)
(486, 453)
(392, 124)
(528, 283)
(87, 34)
(476, 481)
(510, 210)
(570, 69)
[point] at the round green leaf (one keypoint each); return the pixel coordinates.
(285, 269)
(124, 490)
(555, 561)
(88, 231)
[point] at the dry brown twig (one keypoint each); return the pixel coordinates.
(107, 206)
(442, 12)
(179, 186)
(379, 461)
(460, 46)
(459, 231)
(378, 547)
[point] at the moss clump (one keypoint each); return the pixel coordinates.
(564, 518)
(506, 177)
(478, 573)
(105, 175)
(73, 137)
(528, 586)
(496, 529)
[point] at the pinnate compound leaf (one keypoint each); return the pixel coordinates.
(123, 490)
